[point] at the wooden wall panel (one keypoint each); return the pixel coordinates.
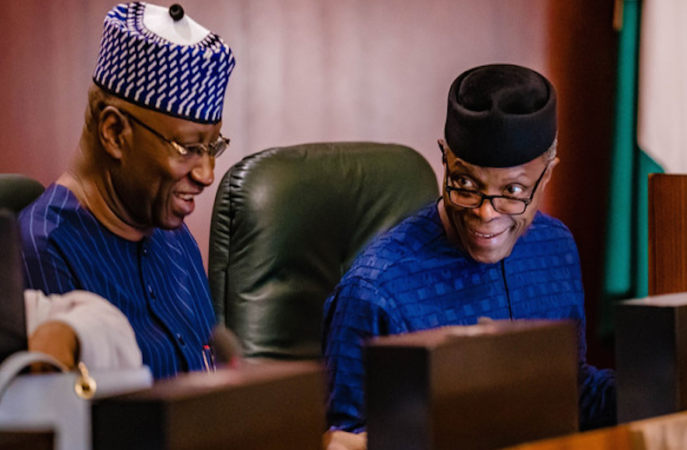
(582, 59)
(667, 233)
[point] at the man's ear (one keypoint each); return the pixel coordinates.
(442, 147)
(549, 171)
(111, 131)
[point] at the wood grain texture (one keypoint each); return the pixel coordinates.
(667, 233)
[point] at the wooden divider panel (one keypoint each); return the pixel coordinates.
(667, 233)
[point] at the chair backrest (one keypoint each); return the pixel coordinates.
(287, 223)
(17, 191)
(12, 315)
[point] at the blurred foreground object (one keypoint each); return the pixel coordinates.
(651, 356)
(482, 387)
(265, 406)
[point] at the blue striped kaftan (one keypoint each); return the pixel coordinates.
(159, 283)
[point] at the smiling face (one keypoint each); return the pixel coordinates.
(154, 183)
(485, 234)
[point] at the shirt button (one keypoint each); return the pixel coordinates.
(151, 291)
(181, 340)
(145, 251)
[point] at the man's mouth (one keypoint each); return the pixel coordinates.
(185, 203)
(184, 196)
(488, 235)
(488, 238)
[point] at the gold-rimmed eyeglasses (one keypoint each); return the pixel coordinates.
(214, 149)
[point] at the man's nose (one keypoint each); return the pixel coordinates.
(486, 210)
(203, 171)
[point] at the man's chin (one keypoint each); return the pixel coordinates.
(170, 223)
(488, 257)
(486, 260)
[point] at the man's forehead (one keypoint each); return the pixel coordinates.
(171, 121)
(178, 129)
(458, 166)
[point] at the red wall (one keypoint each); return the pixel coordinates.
(316, 70)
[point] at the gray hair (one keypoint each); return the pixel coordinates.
(98, 100)
(550, 153)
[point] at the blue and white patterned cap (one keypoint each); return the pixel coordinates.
(176, 67)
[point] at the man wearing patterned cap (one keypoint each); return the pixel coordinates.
(481, 250)
(113, 224)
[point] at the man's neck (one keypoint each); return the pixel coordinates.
(94, 195)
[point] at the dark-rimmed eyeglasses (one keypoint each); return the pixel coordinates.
(214, 149)
(466, 198)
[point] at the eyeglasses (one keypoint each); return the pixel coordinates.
(214, 150)
(502, 204)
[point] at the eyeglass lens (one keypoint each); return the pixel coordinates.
(469, 199)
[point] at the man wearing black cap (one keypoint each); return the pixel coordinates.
(482, 250)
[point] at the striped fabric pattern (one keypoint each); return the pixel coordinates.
(158, 283)
(186, 81)
(411, 279)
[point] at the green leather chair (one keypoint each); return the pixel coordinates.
(17, 191)
(287, 223)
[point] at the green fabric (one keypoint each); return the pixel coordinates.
(627, 241)
(288, 222)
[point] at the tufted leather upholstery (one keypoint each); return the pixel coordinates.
(287, 223)
(17, 191)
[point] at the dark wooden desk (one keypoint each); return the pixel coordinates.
(478, 387)
(265, 406)
(24, 440)
(651, 356)
(660, 433)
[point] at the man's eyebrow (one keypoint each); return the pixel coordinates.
(462, 172)
(520, 178)
(459, 167)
